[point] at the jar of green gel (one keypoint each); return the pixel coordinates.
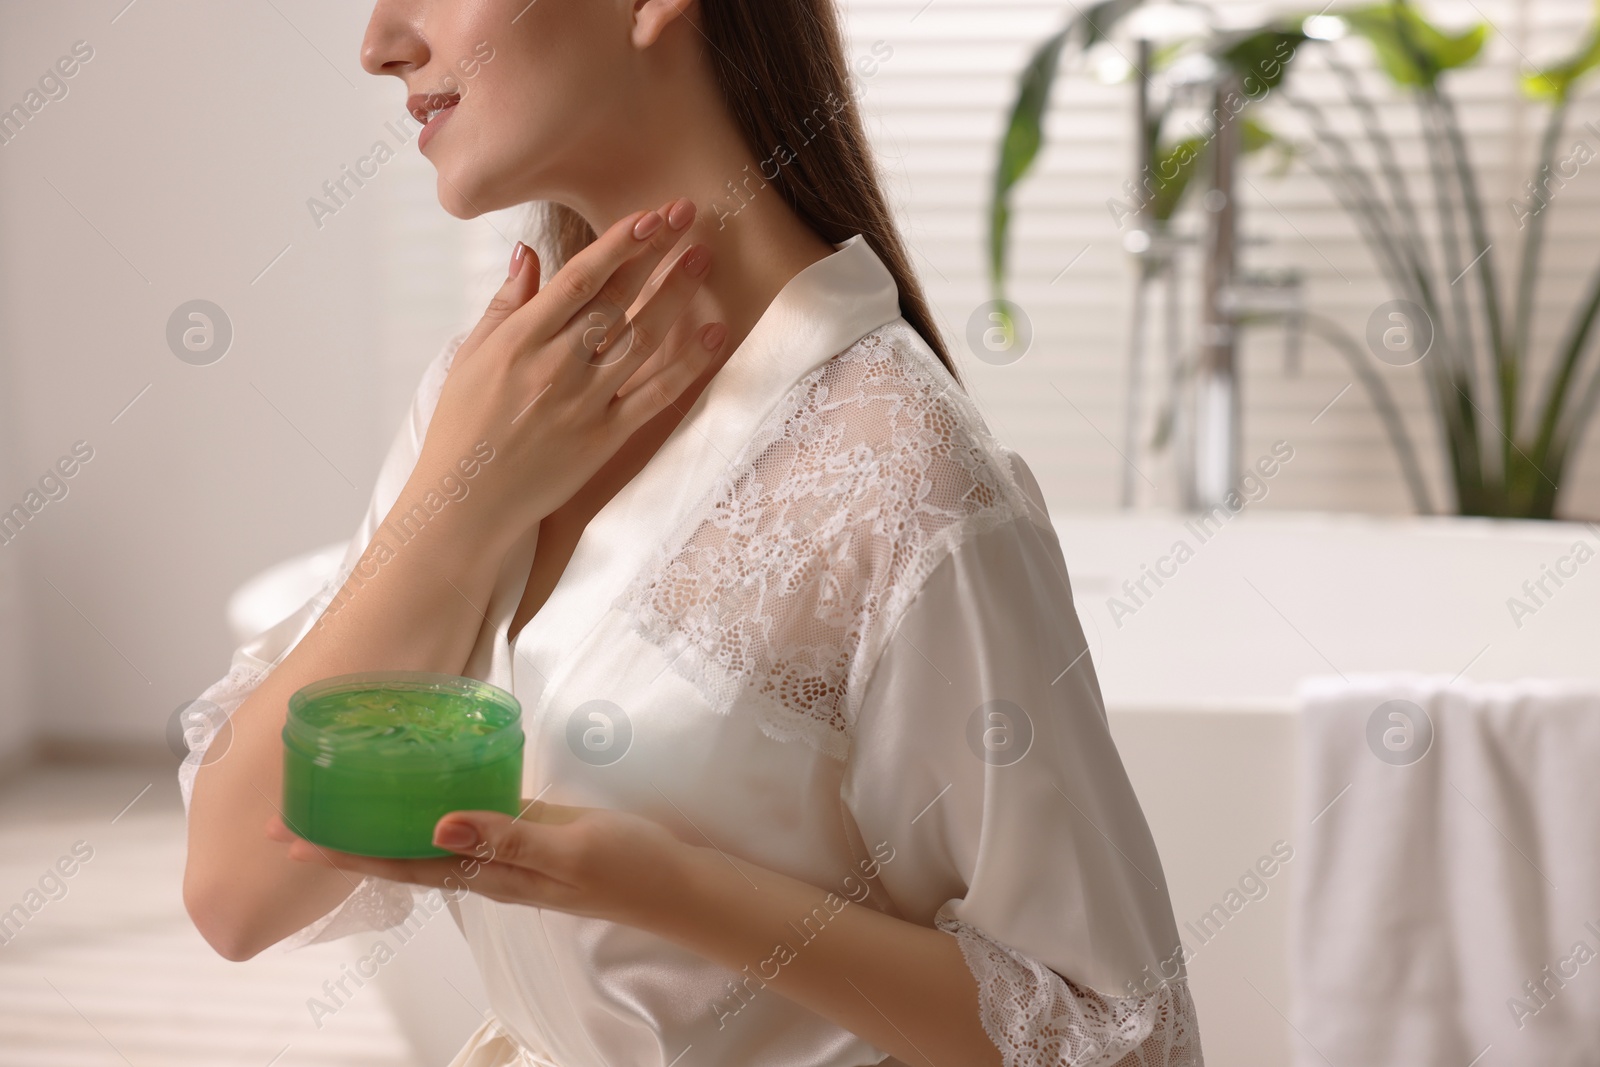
(372, 761)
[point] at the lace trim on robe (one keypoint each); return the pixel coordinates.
(786, 581)
(1036, 1018)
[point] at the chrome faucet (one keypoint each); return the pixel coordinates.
(1203, 419)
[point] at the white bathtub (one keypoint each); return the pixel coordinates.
(1198, 674)
(1199, 682)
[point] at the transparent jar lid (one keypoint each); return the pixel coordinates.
(402, 721)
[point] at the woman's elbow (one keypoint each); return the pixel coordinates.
(219, 919)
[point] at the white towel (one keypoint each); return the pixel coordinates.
(1446, 908)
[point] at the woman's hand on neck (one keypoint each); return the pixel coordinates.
(683, 142)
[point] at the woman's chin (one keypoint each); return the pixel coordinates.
(458, 199)
(467, 196)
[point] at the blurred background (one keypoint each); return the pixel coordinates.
(1270, 309)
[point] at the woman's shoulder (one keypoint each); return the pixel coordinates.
(786, 578)
(884, 464)
(888, 412)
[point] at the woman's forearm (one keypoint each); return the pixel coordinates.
(423, 608)
(416, 605)
(902, 987)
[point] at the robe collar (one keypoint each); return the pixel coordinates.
(821, 311)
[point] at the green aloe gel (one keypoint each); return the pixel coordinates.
(372, 761)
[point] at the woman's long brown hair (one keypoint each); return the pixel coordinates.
(782, 69)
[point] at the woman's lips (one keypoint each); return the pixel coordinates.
(430, 109)
(433, 124)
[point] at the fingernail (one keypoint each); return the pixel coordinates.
(713, 337)
(454, 835)
(647, 225)
(680, 213)
(697, 260)
(518, 254)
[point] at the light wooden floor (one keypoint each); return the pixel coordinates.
(113, 973)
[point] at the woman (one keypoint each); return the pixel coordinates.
(818, 768)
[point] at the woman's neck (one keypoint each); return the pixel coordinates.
(757, 241)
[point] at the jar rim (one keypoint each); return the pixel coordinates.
(501, 708)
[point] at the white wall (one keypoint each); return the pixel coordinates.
(16, 695)
(178, 167)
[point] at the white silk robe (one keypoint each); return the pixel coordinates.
(828, 628)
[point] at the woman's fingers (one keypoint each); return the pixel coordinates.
(543, 811)
(635, 338)
(446, 871)
(498, 866)
(645, 331)
(591, 294)
(586, 274)
(608, 334)
(649, 396)
(511, 861)
(522, 282)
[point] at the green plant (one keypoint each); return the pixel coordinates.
(1507, 443)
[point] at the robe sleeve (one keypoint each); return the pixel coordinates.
(983, 768)
(376, 903)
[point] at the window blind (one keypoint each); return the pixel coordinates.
(937, 79)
